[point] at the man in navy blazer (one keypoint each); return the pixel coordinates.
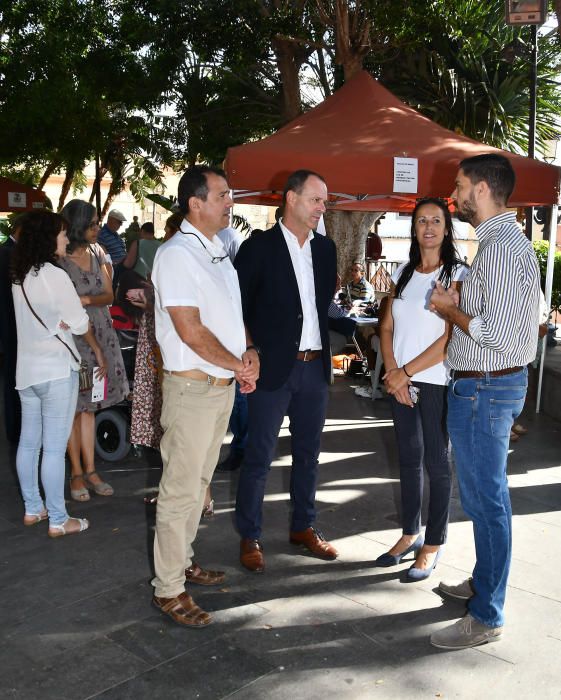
(287, 278)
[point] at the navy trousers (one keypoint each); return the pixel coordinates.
(422, 439)
(303, 398)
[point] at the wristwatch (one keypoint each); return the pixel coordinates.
(254, 347)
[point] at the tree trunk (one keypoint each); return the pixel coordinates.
(49, 170)
(108, 201)
(289, 69)
(558, 13)
(66, 185)
(349, 230)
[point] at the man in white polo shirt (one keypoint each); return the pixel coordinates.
(200, 329)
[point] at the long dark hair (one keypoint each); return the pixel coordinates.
(36, 243)
(449, 257)
(79, 215)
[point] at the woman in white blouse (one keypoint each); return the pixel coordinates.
(413, 341)
(47, 311)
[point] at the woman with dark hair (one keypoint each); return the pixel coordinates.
(48, 312)
(413, 343)
(87, 267)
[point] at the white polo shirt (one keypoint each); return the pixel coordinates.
(184, 275)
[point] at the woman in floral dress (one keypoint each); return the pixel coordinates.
(88, 268)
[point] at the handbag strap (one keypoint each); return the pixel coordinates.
(44, 326)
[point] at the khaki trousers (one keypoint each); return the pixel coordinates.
(195, 418)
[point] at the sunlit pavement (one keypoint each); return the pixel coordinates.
(77, 620)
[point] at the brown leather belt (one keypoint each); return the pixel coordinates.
(199, 376)
(468, 374)
(308, 355)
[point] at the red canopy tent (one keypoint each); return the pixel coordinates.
(351, 139)
(15, 197)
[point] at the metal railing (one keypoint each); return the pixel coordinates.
(379, 273)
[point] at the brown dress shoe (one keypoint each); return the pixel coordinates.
(183, 610)
(313, 540)
(203, 577)
(251, 555)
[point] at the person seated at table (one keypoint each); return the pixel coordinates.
(358, 288)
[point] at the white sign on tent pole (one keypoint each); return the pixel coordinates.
(405, 174)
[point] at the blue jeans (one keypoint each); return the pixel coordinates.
(47, 412)
(481, 412)
(422, 440)
(239, 422)
(303, 398)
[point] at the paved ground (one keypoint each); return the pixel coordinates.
(76, 619)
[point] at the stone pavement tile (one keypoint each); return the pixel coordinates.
(19, 602)
(9, 525)
(532, 634)
(80, 672)
(388, 591)
(541, 580)
(303, 647)
(81, 570)
(304, 609)
(59, 630)
(156, 638)
(533, 540)
(553, 518)
(378, 672)
(209, 670)
(535, 499)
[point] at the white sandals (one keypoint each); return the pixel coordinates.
(61, 530)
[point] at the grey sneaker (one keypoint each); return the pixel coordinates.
(458, 591)
(465, 633)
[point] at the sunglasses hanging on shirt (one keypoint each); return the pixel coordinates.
(213, 258)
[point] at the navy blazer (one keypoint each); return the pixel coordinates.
(271, 302)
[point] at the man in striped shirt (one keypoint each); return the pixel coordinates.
(494, 338)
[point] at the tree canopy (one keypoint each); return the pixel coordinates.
(150, 83)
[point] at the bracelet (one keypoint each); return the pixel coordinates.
(406, 372)
(254, 347)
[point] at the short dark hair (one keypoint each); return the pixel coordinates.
(296, 182)
(148, 226)
(495, 170)
(193, 183)
(37, 243)
(79, 215)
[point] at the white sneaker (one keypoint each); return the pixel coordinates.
(458, 591)
(465, 633)
(364, 391)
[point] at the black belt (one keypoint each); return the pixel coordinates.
(472, 374)
(308, 355)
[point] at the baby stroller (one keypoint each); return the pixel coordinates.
(112, 425)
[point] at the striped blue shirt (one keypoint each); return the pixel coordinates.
(113, 244)
(501, 292)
